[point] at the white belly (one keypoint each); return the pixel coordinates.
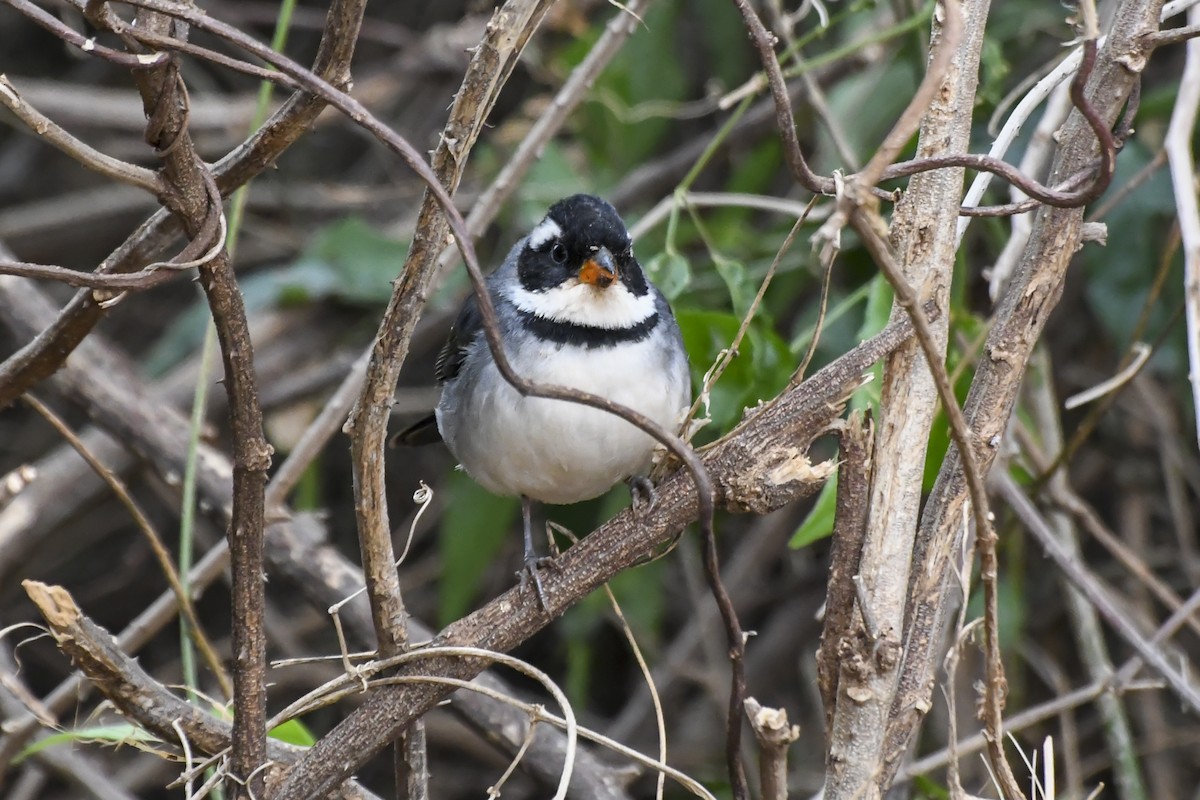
(559, 452)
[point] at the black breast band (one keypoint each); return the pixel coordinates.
(588, 336)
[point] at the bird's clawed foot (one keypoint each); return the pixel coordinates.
(642, 493)
(529, 573)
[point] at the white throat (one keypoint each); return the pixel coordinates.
(613, 308)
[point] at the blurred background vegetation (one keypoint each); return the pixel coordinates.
(665, 134)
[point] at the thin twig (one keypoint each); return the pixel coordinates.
(47, 351)
(1091, 588)
(133, 61)
(121, 282)
(132, 691)
(186, 607)
(77, 149)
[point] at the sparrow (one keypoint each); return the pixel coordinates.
(575, 309)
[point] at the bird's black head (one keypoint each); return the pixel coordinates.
(583, 238)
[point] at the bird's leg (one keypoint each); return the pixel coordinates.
(642, 493)
(532, 561)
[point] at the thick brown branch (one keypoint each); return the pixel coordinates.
(134, 693)
(192, 195)
(759, 467)
(856, 441)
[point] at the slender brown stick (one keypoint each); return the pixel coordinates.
(133, 61)
(46, 352)
(90, 280)
(86, 155)
(165, 563)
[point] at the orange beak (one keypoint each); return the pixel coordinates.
(599, 270)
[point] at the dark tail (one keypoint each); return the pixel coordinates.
(420, 433)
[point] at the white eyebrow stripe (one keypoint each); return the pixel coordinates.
(545, 230)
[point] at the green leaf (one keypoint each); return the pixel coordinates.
(670, 272)
(293, 732)
(879, 309)
(761, 368)
(474, 529)
(741, 293)
(819, 522)
(348, 261)
(121, 733)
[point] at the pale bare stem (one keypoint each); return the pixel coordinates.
(1141, 353)
(1097, 595)
(1179, 156)
(915, 380)
(536, 714)
(995, 686)
(949, 691)
(826, 280)
(186, 746)
(1173, 35)
(1036, 285)
(1037, 156)
(656, 701)
(659, 719)
(328, 692)
(1180, 617)
(774, 736)
(775, 205)
(493, 791)
(1088, 633)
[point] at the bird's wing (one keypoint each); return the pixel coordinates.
(462, 333)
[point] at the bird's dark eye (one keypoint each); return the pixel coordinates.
(558, 253)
